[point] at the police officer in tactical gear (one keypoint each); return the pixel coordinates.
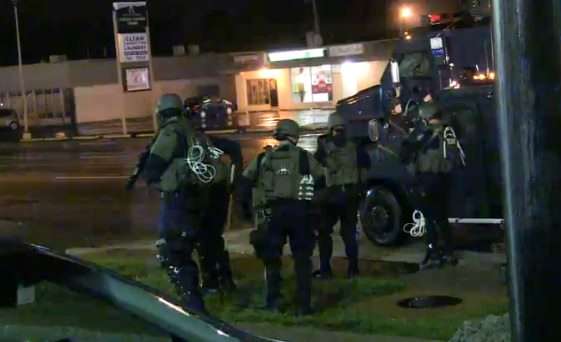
(432, 151)
(213, 256)
(284, 176)
(214, 259)
(179, 215)
(344, 163)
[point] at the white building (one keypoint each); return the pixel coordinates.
(258, 81)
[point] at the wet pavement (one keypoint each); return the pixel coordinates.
(71, 194)
(263, 120)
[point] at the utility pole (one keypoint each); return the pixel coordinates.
(316, 18)
(119, 71)
(26, 135)
(527, 40)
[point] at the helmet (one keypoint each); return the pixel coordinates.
(287, 128)
(335, 119)
(428, 110)
(169, 101)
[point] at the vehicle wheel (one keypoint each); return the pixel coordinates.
(14, 126)
(381, 216)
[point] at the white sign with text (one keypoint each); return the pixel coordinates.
(133, 47)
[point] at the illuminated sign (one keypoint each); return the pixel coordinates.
(137, 79)
(133, 47)
(437, 47)
(132, 17)
(295, 55)
(346, 50)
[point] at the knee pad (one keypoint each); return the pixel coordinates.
(172, 252)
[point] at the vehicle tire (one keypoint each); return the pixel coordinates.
(381, 215)
(13, 126)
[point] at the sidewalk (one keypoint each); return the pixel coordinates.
(238, 243)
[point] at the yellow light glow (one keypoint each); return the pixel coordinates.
(492, 75)
(408, 37)
(480, 77)
(405, 12)
(268, 73)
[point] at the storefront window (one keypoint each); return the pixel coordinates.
(312, 84)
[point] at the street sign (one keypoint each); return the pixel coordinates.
(295, 55)
(346, 50)
(133, 47)
(131, 16)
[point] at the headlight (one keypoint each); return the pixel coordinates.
(203, 114)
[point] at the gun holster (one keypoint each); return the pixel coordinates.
(258, 236)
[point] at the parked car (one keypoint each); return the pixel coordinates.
(9, 123)
(211, 113)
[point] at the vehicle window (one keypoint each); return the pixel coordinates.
(5, 113)
(415, 64)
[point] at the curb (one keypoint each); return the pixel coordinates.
(117, 136)
(86, 137)
(151, 135)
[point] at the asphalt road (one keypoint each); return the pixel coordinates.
(71, 194)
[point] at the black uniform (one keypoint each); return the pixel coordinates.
(424, 153)
(214, 258)
(279, 175)
(340, 200)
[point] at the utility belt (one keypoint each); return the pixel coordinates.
(171, 195)
(180, 194)
(285, 201)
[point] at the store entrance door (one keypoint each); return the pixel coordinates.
(274, 93)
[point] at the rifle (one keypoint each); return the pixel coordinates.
(140, 165)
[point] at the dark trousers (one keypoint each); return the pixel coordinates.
(213, 257)
(432, 198)
(179, 225)
(338, 204)
(290, 220)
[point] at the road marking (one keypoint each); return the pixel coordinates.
(81, 178)
(115, 156)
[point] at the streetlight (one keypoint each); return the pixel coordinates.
(21, 78)
(405, 12)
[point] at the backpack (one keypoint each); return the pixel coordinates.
(201, 163)
(285, 174)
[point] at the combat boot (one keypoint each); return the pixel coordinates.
(449, 258)
(432, 258)
(322, 274)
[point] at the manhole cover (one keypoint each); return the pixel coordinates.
(429, 302)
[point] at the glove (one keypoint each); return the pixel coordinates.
(130, 184)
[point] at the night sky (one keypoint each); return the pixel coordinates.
(83, 28)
